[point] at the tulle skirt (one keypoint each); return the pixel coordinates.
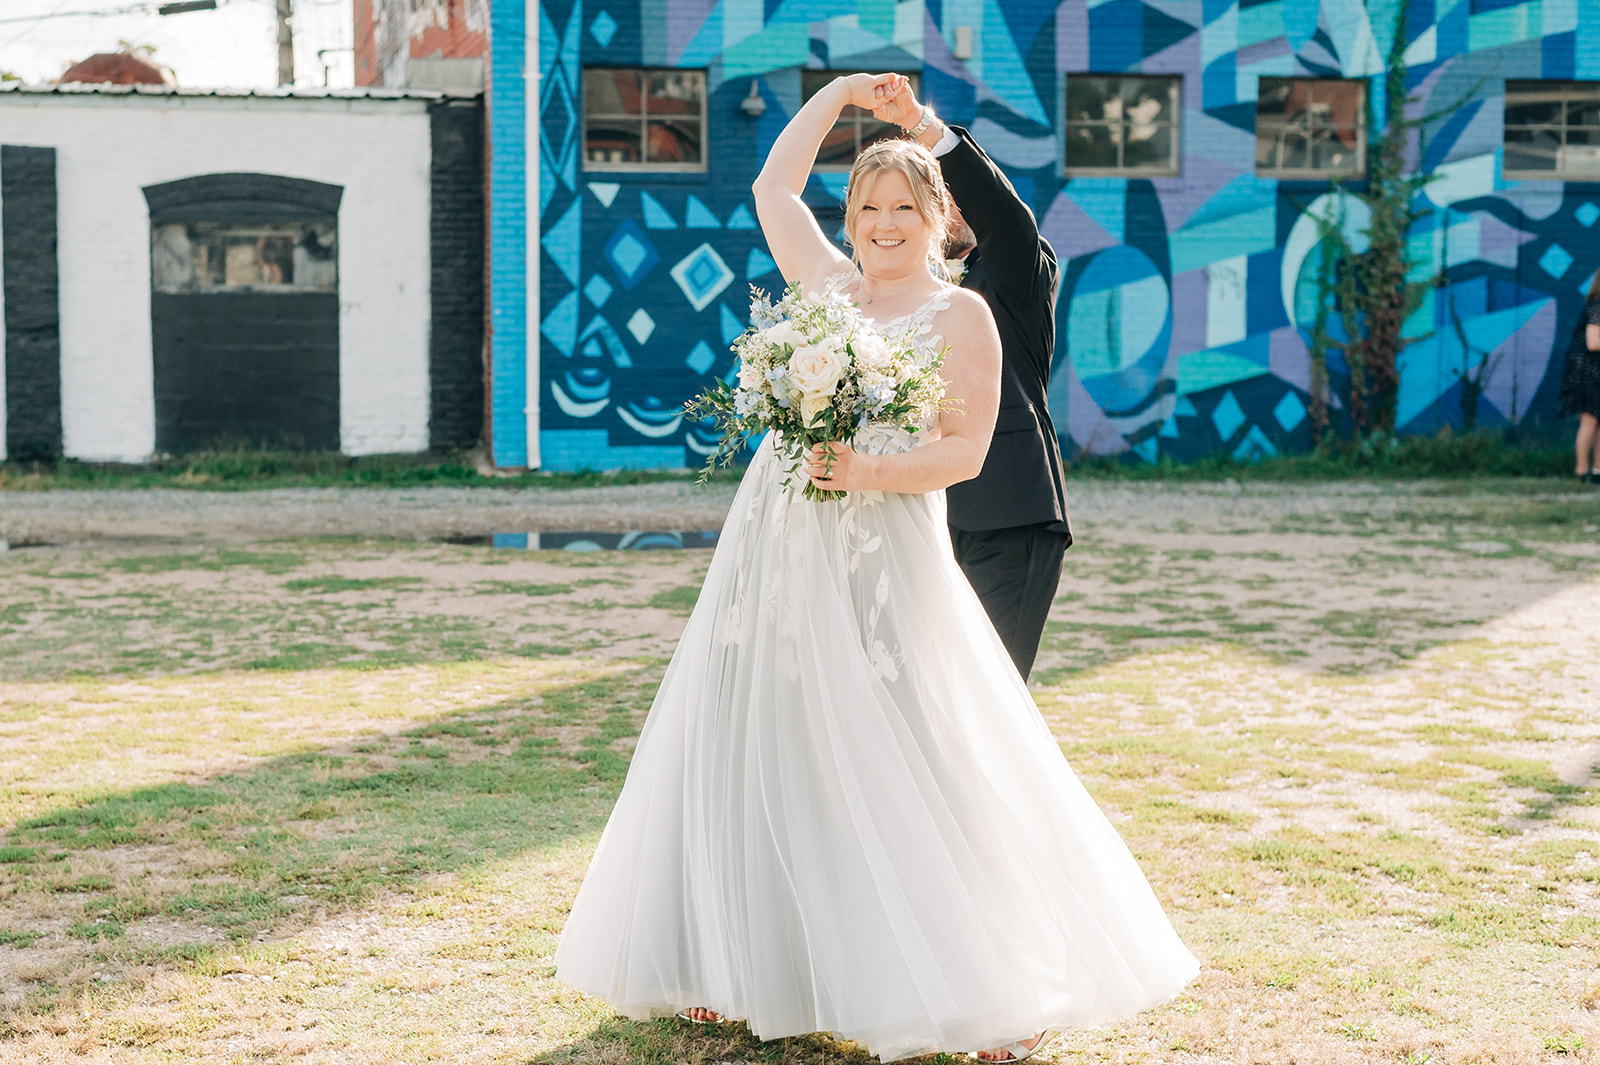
(845, 814)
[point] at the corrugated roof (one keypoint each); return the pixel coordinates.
(108, 89)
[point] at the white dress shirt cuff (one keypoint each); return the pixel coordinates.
(946, 143)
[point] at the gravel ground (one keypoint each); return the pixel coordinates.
(434, 513)
(406, 513)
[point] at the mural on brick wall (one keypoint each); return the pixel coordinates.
(1186, 302)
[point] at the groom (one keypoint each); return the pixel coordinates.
(1009, 524)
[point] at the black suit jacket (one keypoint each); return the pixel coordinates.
(1014, 270)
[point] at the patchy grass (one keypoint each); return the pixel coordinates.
(325, 585)
(337, 603)
(679, 600)
(330, 800)
(244, 469)
(1448, 456)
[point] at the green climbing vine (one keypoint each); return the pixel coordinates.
(1374, 291)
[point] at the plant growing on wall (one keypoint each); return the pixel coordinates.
(1375, 290)
(1335, 288)
(1473, 378)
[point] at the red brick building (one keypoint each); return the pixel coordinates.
(421, 44)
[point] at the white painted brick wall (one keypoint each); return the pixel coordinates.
(109, 147)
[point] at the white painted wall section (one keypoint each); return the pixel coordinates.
(109, 147)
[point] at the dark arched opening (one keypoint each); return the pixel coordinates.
(244, 311)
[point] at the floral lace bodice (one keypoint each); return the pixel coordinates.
(882, 438)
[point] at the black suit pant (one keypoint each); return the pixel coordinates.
(1015, 573)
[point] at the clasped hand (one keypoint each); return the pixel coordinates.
(835, 467)
(887, 96)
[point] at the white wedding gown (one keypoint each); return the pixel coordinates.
(845, 813)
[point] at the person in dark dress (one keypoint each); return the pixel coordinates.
(1009, 525)
(1580, 384)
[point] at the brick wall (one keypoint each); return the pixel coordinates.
(456, 295)
(1186, 301)
(31, 360)
(108, 148)
(388, 32)
(511, 443)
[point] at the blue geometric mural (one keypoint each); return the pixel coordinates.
(1186, 302)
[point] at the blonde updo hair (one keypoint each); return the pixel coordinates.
(922, 173)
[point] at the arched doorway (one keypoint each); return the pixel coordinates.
(244, 312)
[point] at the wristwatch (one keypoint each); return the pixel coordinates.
(927, 120)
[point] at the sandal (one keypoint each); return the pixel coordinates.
(1019, 1051)
(683, 1015)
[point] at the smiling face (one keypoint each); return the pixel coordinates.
(895, 208)
(891, 237)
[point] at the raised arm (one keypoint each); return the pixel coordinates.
(797, 243)
(1006, 231)
(972, 387)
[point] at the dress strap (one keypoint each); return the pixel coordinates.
(922, 317)
(841, 279)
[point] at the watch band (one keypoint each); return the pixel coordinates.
(927, 120)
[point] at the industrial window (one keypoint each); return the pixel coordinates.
(644, 119)
(1311, 128)
(217, 257)
(855, 128)
(1553, 130)
(1122, 125)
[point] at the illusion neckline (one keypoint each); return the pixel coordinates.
(940, 293)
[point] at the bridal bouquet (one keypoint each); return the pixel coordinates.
(813, 370)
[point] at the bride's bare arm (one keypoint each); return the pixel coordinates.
(972, 378)
(797, 243)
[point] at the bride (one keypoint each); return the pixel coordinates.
(845, 813)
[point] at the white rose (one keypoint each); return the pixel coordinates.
(816, 369)
(870, 350)
(750, 376)
(811, 406)
(872, 380)
(784, 334)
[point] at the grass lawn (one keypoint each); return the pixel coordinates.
(1486, 453)
(329, 800)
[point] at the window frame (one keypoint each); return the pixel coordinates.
(644, 119)
(1307, 173)
(1569, 91)
(856, 119)
(1174, 167)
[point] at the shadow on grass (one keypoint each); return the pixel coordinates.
(319, 832)
(1293, 623)
(670, 1040)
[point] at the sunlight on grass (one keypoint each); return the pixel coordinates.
(330, 801)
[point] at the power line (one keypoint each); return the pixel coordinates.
(35, 26)
(149, 8)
